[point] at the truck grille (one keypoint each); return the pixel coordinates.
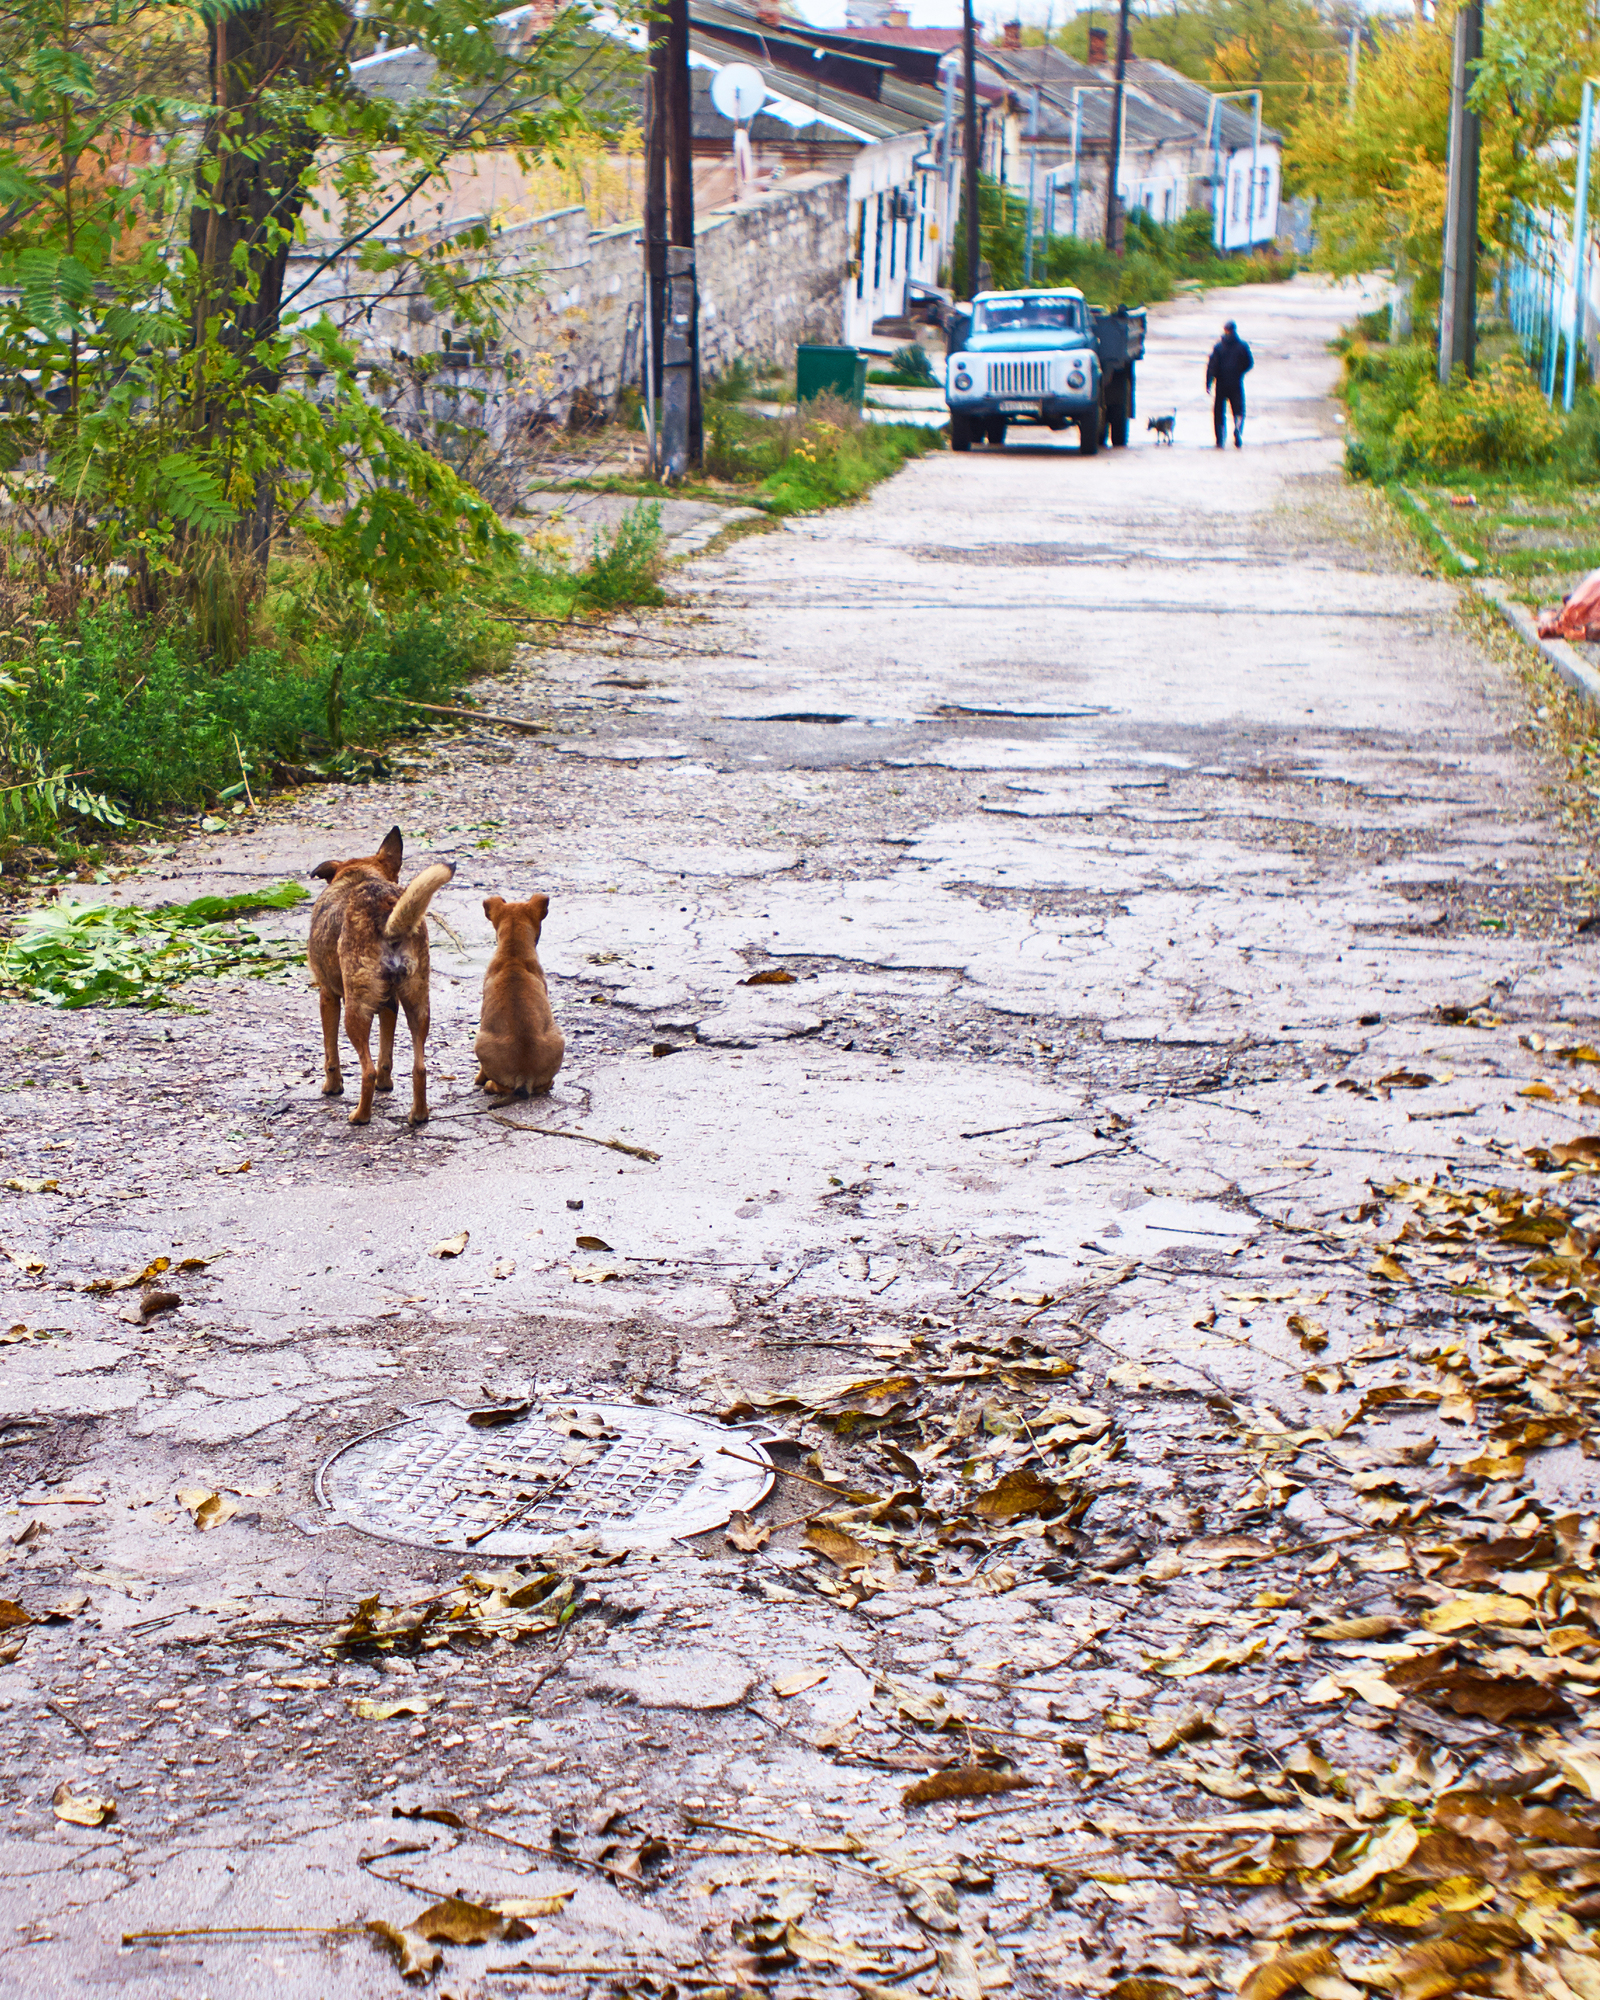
(1019, 378)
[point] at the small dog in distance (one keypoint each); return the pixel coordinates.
(519, 1047)
(1164, 427)
(369, 951)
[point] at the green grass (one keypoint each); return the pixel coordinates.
(1533, 524)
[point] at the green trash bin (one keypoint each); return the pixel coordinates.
(833, 371)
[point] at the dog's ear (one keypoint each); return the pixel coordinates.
(494, 909)
(324, 871)
(390, 853)
(538, 909)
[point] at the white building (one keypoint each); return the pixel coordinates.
(1239, 161)
(1181, 146)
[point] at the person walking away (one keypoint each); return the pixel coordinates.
(1231, 361)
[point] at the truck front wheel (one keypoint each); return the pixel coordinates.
(960, 432)
(1089, 434)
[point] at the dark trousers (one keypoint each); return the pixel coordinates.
(1230, 396)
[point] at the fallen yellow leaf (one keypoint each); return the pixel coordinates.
(793, 1684)
(82, 1808)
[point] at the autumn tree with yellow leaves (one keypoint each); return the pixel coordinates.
(1378, 172)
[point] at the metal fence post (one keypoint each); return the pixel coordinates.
(1580, 246)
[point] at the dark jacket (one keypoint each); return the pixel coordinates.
(1231, 361)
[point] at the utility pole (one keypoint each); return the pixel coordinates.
(655, 227)
(681, 419)
(969, 135)
(1113, 206)
(1033, 164)
(1458, 298)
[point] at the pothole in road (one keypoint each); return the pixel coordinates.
(510, 1481)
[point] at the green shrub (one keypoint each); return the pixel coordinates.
(625, 567)
(726, 454)
(913, 365)
(106, 714)
(734, 385)
(1579, 449)
(1497, 420)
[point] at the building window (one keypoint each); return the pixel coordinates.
(894, 230)
(922, 217)
(877, 249)
(861, 251)
(1235, 196)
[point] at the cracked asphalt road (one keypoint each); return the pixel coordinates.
(1105, 816)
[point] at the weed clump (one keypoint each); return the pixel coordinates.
(106, 715)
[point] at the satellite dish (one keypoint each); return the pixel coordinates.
(738, 90)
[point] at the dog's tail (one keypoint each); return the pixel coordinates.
(408, 913)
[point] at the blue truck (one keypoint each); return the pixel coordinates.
(1041, 357)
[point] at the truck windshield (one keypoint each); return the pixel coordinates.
(1030, 316)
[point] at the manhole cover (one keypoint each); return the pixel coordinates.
(630, 1477)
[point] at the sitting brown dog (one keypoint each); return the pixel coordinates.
(369, 949)
(519, 1046)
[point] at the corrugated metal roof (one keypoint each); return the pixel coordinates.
(900, 109)
(1235, 116)
(1055, 75)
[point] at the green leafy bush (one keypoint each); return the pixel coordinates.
(1497, 419)
(1579, 450)
(106, 714)
(1381, 384)
(92, 954)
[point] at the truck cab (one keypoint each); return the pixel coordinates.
(1041, 357)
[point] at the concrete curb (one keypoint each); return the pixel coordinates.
(1567, 661)
(690, 541)
(1459, 556)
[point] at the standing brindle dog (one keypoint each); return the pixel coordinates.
(369, 950)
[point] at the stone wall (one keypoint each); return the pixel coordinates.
(771, 274)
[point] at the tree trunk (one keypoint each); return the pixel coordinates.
(248, 199)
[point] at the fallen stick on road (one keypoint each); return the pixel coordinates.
(434, 917)
(555, 1132)
(469, 714)
(245, 1931)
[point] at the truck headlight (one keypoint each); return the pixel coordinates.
(1077, 379)
(963, 380)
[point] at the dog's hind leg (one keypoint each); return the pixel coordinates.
(358, 1026)
(332, 1079)
(387, 1016)
(417, 1022)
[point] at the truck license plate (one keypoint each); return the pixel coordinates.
(1019, 406)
